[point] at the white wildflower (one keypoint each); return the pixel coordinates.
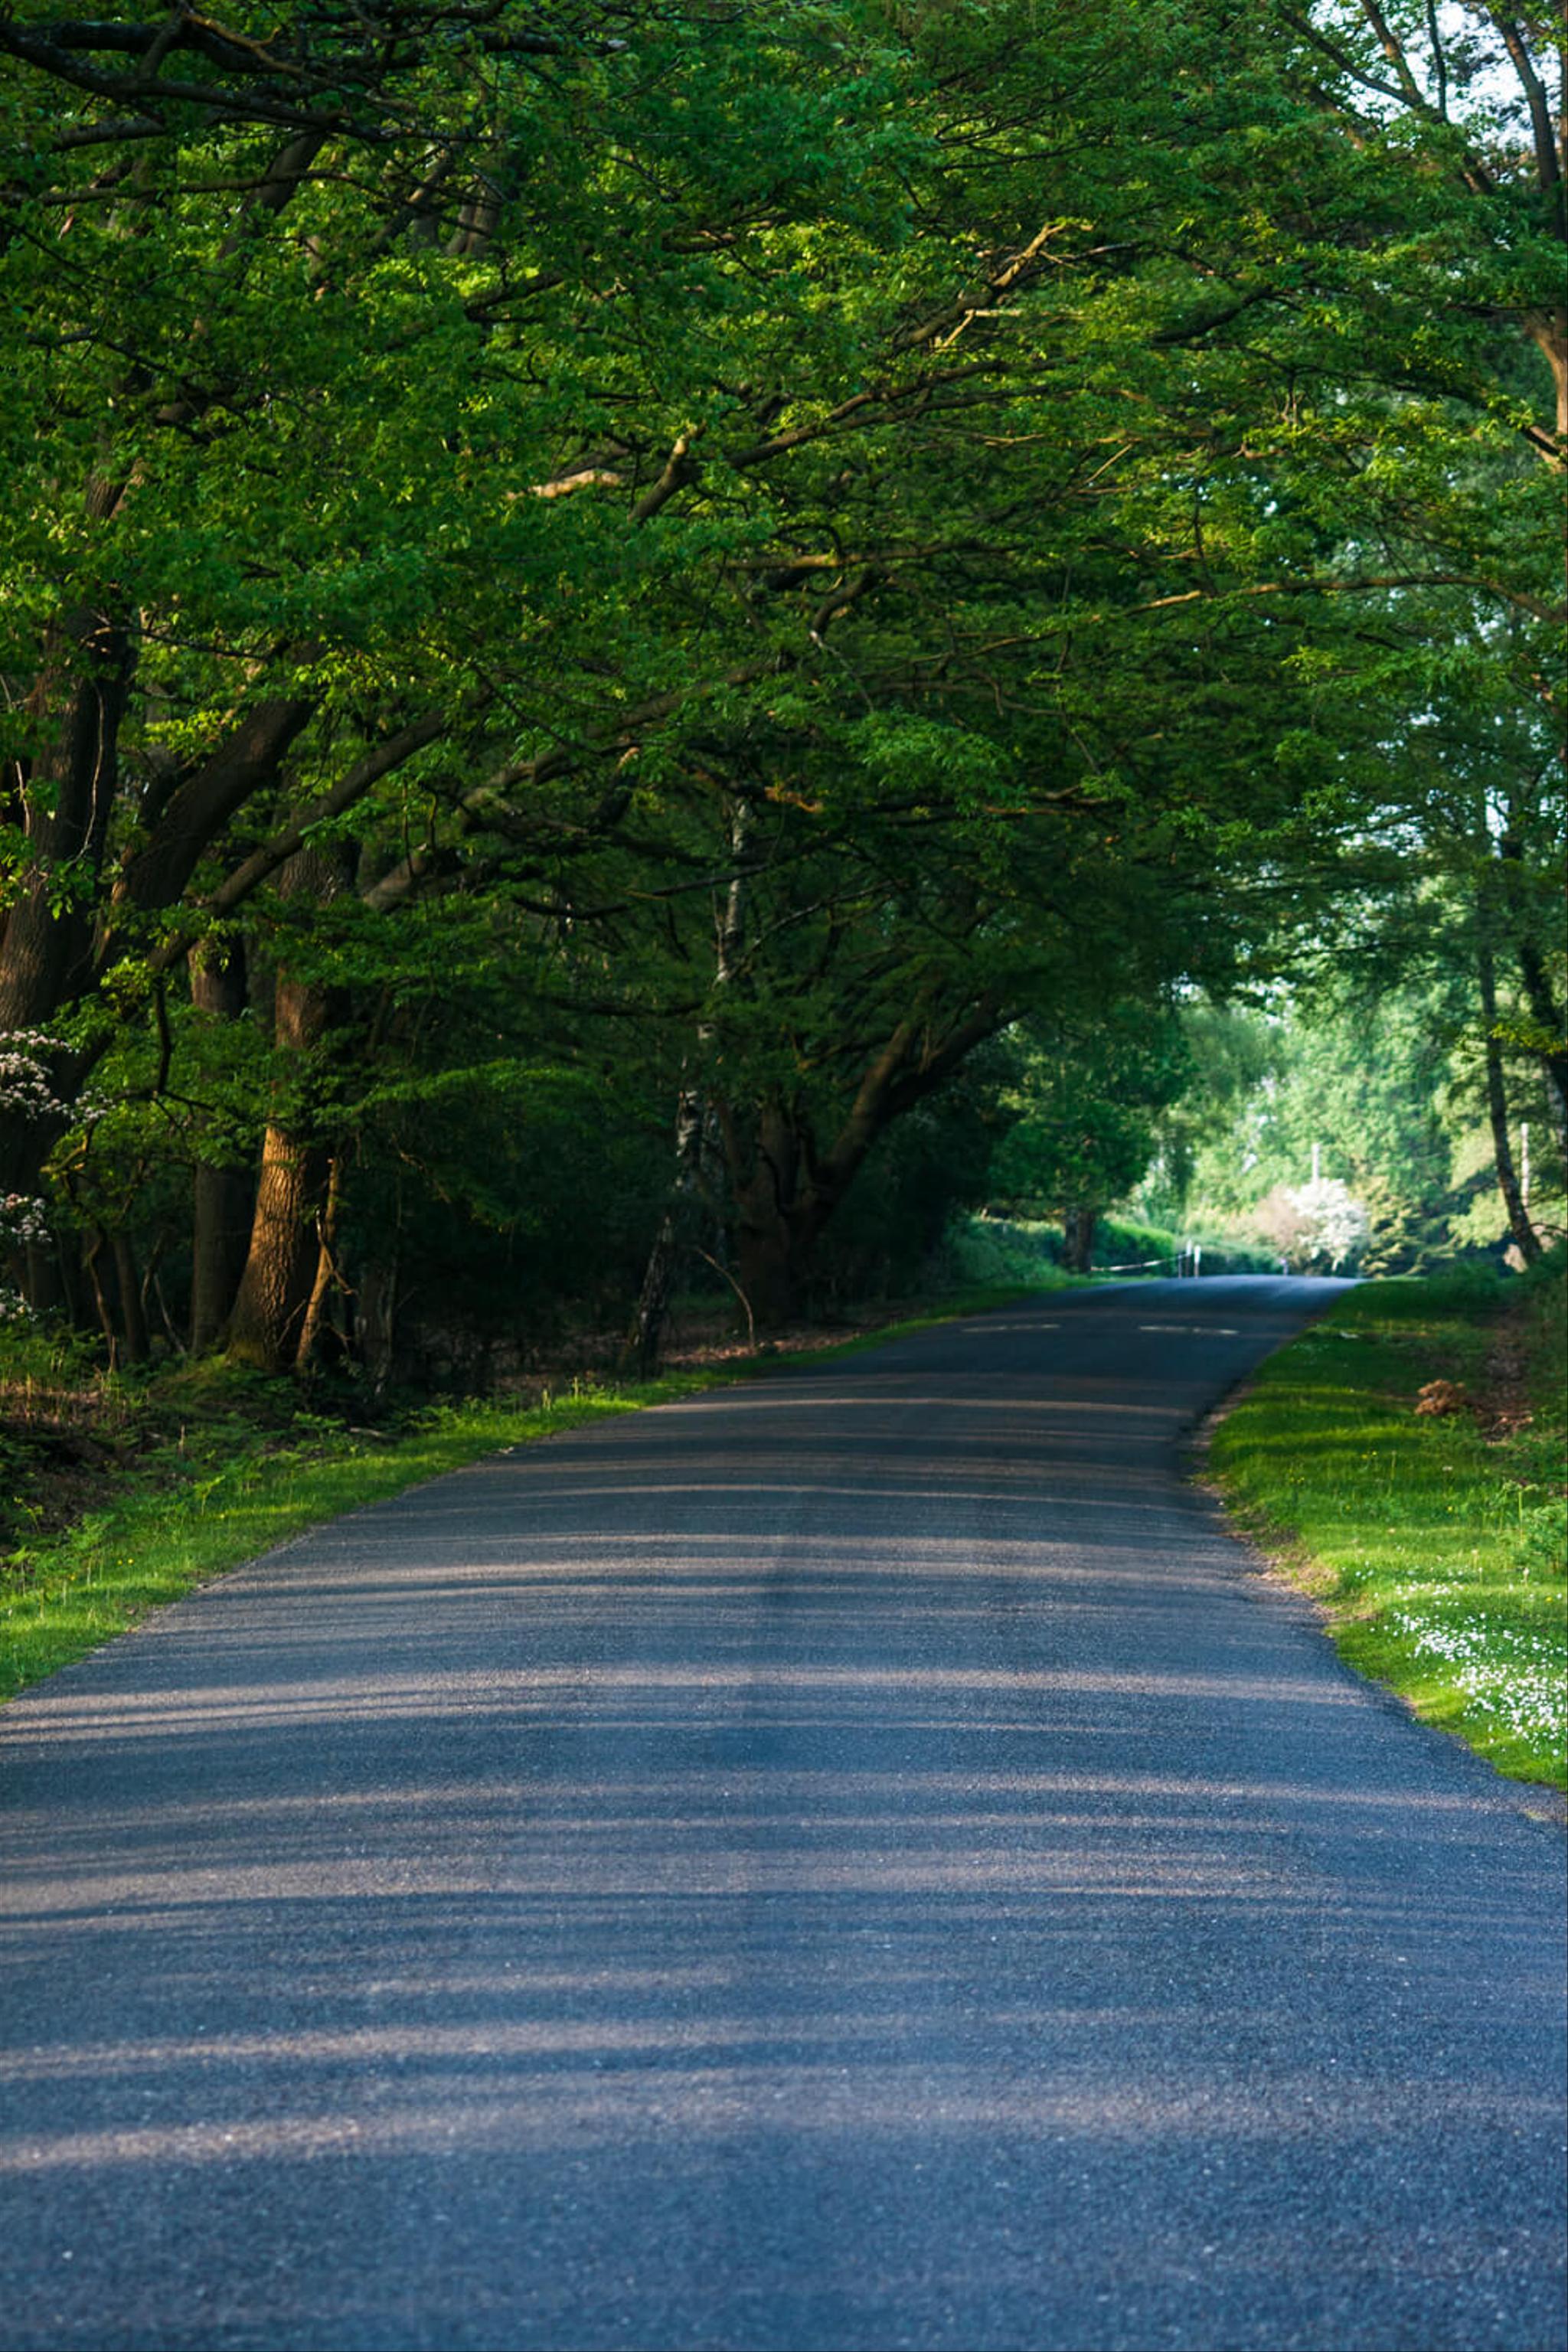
(1519, 1679)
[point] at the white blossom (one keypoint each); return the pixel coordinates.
(24, 1218)
(1334, 1223)
(1314, 1224)
(25, 1086)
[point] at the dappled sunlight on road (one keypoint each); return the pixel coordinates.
(799, 1844)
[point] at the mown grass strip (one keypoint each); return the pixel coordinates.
(1436, 1546)
(237, 1494)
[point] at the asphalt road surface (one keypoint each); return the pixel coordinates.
(858, 1859)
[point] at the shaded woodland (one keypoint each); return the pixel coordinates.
(650, 645)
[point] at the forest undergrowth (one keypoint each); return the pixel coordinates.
(1406, 1461)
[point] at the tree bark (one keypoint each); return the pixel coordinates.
(773, 1258)
(128, 1282)
(786, 1191)
(1547, 1014)
(375, 1320)
(64, 801)
(281, 1263)
(1513, 1202)
(1539, 994)
(275, 1288)
(671, 1241)
(1078, 1236)
(224, 1191)
(52, 956)
(92, 1251)
(326, 1273)
(777, 1212)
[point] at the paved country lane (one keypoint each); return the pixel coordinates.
(851, 1861)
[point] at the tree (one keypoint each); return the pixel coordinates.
(668, 489)
(1087, 1101)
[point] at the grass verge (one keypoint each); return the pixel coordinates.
(1436, 1543)
(206, 1469)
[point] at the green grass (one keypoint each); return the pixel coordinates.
(249, 1469)
(170, 1531)
(1438, 1546)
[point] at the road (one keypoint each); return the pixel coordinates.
(856, 1859)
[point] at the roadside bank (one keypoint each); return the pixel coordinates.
(1404, 1462)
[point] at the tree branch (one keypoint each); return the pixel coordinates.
(201, 807)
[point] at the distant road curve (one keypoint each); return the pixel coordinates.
(856, 1859)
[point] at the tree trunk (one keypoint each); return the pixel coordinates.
(52, 956)
(274, 1288)
(673, 1239)
(771, 1269)
(283, 1259)
(786, 1191)
(222, 1210)
(1547, 1014)
(776, 1220)
(326, 1274)
(1519, 1222)
(1078, 1238)
(223, 1192)
(375, 1320)
(64, 800)
(128, 1282)
(46, 1285)
(92, 1253)
(1524, 928)
(640, 1356)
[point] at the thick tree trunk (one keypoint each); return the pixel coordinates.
(773, 1262)
(223, 1206)
(64, 801)
(777, 1216)
(785, 1191)
(1078, 1236)
(780, 1217)
(281, 1265)
(274, 1288)
(223, 1192)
